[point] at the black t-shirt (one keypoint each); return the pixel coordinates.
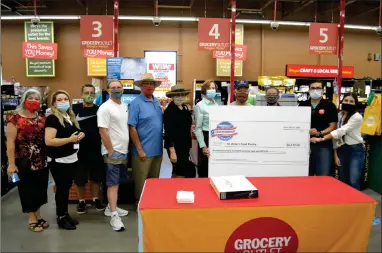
(91, 144)
(324, 114)
(62, 132)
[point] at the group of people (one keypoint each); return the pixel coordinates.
(85, 142)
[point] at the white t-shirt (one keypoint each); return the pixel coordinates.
(114, 117)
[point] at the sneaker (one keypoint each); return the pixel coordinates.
(121, 212)
(98, 205)
(81, 207)
(63, 223)
(117, 224)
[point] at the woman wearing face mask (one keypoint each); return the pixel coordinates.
(26, 152)
(201, 111)
(177, 122)
(62, 137)
(349, 151)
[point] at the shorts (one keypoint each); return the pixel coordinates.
(95, 172)
(116, 168)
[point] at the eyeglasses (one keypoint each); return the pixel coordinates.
(315, 88)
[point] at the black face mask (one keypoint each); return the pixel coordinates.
(348, 107)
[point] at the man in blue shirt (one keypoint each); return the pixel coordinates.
(146, 133)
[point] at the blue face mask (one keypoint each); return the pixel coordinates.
(315, 94)
(63, 106)
(211, 94)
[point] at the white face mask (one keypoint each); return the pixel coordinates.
(178, 100)
(315, 94)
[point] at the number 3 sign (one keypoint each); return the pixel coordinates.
(96, 32)
(323, 38)
(214, 34)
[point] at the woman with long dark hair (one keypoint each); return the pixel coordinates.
(349, 150)
(26, 152)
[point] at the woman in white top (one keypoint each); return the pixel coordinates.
(349, 150)
(62, 137)
(201, 113)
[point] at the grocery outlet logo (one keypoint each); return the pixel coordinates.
(263, 235)
(224, 131)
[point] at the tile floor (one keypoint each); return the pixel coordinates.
(94, 234)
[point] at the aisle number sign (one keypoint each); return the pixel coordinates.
(213, 34)
(323, 38)
(223, 66)
(40, 33)
(97, 32)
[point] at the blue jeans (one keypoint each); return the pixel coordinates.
(352, 159)
(321, 159)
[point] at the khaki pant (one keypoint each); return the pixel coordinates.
(150, 168)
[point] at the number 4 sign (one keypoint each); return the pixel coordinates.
(213, 34)
(323, 38)
(96, 32)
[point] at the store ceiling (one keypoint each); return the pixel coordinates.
(357, 11)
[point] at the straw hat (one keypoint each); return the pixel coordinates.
(147, 77)
(177, 90)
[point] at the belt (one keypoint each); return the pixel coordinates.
(115, 161)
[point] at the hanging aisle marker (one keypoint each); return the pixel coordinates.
(213, 34)
(97, 32)
(323, 38)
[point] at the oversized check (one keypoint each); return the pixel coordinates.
(259, 141)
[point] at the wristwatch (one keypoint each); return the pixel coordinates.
(321, 135)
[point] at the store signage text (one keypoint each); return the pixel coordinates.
(294, 70)
(97, 32)
(323, 38)
(98, 53)
(240, 53)
(39, 50)
(213, 34)
(161, 66)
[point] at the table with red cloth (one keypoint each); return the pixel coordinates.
(292, 214)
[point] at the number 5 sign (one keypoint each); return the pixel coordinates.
(96, 32)
(214, 34)
(323, 38)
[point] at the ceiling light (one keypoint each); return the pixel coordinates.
(185, 19)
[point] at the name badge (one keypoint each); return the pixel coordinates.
(76, 146)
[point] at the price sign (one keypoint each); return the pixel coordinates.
(96, 32)
(323, 38)
(214, 34)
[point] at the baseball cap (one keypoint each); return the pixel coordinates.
(241, 83)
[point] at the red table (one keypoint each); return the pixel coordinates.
(292, 214)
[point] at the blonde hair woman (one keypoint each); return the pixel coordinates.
(27, 156)
(62, 136)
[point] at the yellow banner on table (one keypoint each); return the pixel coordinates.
(96, 66)
(223, 66)
(285, 229)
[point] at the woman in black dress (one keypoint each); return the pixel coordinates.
(26, 152)
(177, 121)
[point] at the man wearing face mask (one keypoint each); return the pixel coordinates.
(272, 96)
(112, 122)
(89, 156)
(324, 119)
(241, 93)
(146, 131)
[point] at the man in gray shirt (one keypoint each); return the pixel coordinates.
(241, 93)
